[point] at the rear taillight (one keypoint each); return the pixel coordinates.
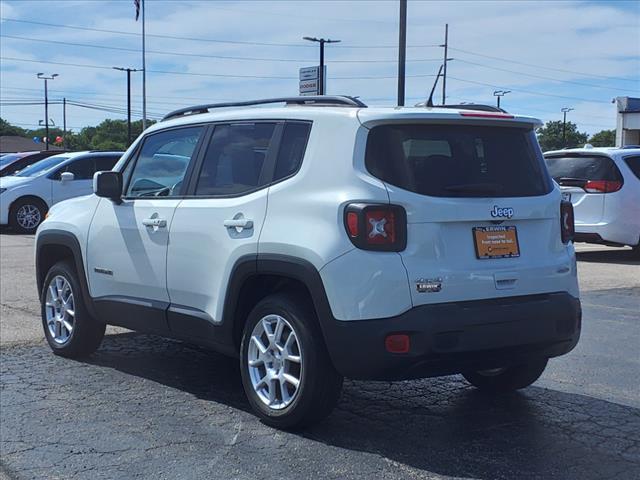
(376, 226)
(567, 224)
(602, 186)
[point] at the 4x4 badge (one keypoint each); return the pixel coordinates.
(498, 212)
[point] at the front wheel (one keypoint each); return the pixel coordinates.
(26, 214)
(68, 327)
(507, 378)
(286, 371)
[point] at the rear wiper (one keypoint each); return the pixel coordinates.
(486, 188)
(571, 181)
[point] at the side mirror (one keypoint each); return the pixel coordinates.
(108, 185)
(67, 177)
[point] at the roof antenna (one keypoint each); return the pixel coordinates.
(435, 83)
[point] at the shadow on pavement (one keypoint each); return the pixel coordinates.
(435, 425)
(620, 257)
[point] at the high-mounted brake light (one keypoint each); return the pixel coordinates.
(486, 115)
(602, 186)
(379, 227)
(567, 222)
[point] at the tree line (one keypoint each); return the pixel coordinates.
(112, 135)
(108, 135)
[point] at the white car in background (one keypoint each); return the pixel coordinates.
(603, 184)
(26, 196)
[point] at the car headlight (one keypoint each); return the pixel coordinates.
(2, 190)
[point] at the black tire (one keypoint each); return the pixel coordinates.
(320, 384)
(635, 252)
(87, 333)
(35, 205)
(509, 378)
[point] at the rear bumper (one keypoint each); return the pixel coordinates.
(452, 338)
(607, 234)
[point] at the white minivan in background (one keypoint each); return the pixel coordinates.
(603, 184)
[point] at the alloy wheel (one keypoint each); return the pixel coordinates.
(275, 362)
(60, 310)
(28, 216)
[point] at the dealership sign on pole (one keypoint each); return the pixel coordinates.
(309, 84)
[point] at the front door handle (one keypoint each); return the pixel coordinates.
(154, 222)
(238, 223)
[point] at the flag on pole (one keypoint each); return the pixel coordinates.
(137, 4)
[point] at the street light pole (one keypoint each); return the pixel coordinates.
(321, 41)
(128, 70)
(500, 93)
(42, 76)
(564, 111)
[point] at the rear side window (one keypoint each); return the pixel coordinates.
(235, 159)
(292, 148)
(567, 168)
(458, 160)
(634, 164)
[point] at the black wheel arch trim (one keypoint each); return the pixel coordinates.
(68, 240)
(286, 266)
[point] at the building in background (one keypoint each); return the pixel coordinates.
(628, 122)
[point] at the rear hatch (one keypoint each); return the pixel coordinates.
(482, 214)
(583, 179)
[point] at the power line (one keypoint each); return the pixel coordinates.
(458, 60)
(196, 39)
(217, 75)
(199, 55)
(529, 91)
(543, 66)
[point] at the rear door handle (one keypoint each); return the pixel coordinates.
(154, 222)
(238, 223)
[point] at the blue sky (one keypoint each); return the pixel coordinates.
(550, 54)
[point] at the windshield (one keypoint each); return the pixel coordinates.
(9, 158)
(41, 167)
(458, 160)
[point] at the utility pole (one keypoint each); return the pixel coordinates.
(128, 70)
(402, 51)
(64, 123)
(564, 111)
(42, 76)
(444, 74)
(321, 86)
(144, 73)
(500, 93)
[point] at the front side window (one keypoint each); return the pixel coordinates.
(106, 163)
(458, 160)
(162, 163)
(82, 169)
(235, 159)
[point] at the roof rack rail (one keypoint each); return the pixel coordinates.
(468, 106)
(333, 100)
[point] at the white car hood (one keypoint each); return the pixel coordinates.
(10, 181)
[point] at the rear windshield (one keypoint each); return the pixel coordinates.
(565, 168)
(458, 160)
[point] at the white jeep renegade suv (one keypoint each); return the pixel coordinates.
(323, 239)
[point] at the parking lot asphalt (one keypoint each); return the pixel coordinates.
(145, 407)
